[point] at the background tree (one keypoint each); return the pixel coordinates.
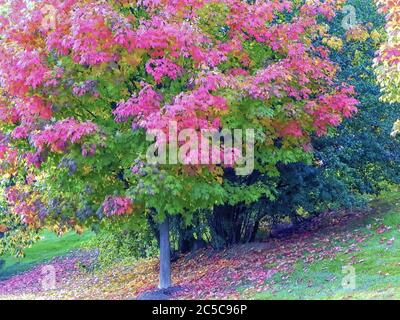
(388, 60)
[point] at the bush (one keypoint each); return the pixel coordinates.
(123, 241)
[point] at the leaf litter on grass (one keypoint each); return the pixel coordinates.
(237, 272)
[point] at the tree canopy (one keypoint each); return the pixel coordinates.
(83, 81)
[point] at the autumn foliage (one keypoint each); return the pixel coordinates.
(83, 81)
(389, 54)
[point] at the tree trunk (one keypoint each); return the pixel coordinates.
(165, 255)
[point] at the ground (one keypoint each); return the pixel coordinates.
(49, 247)
(340, 255)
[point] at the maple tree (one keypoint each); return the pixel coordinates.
(82, 82)
(388, 59)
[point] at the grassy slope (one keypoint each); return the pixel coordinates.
(49, 247)
(376, 261)
(376, 264)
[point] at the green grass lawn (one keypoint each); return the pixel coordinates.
(44, 250)
(376, 264)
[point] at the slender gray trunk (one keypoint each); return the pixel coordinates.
(165, 255)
